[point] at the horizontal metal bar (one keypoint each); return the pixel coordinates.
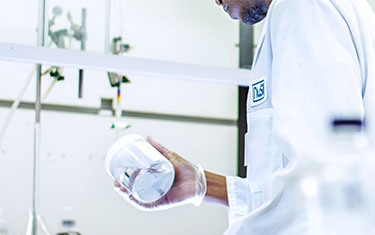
(130, 114)
(122, 64)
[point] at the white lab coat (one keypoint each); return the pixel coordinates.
(316, 60)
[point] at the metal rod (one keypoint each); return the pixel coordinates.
(41, 43)
(36, 151)
(246, 58)
(42, 23)
(83, 47)
(127, 113)
(80, 83)
(83, 28)
(107, 27)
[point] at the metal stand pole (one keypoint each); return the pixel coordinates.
(246, 59)
(35, 218)
(83, 48)
(34, 213)
(107, 25)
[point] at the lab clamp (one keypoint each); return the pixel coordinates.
(77, 32)
(117, 48)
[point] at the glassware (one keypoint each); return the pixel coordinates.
(140, 168)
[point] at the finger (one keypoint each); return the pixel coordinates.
(124, 193)
(163, 150)
(117, 184)
(131, 199)
(123, 189)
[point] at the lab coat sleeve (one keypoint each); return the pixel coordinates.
(239, 198)
(315, 73)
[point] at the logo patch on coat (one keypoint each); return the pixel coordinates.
(258, 91)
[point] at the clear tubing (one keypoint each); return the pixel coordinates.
(50, 88)
(15, 105)
(53, 83)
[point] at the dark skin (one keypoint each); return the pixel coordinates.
(250, 12)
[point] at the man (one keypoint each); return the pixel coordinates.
(315, 61)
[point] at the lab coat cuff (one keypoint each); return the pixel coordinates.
(239, 198)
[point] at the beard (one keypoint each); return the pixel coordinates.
(254, 14)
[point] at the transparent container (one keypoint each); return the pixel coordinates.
(140, 168)
(340, 191)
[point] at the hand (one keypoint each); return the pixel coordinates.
(189, 185)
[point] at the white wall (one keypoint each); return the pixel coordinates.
(72, 173)
(73, 145)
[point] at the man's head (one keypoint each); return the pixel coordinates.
(249, 11)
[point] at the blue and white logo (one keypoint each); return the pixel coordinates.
(258, 92)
